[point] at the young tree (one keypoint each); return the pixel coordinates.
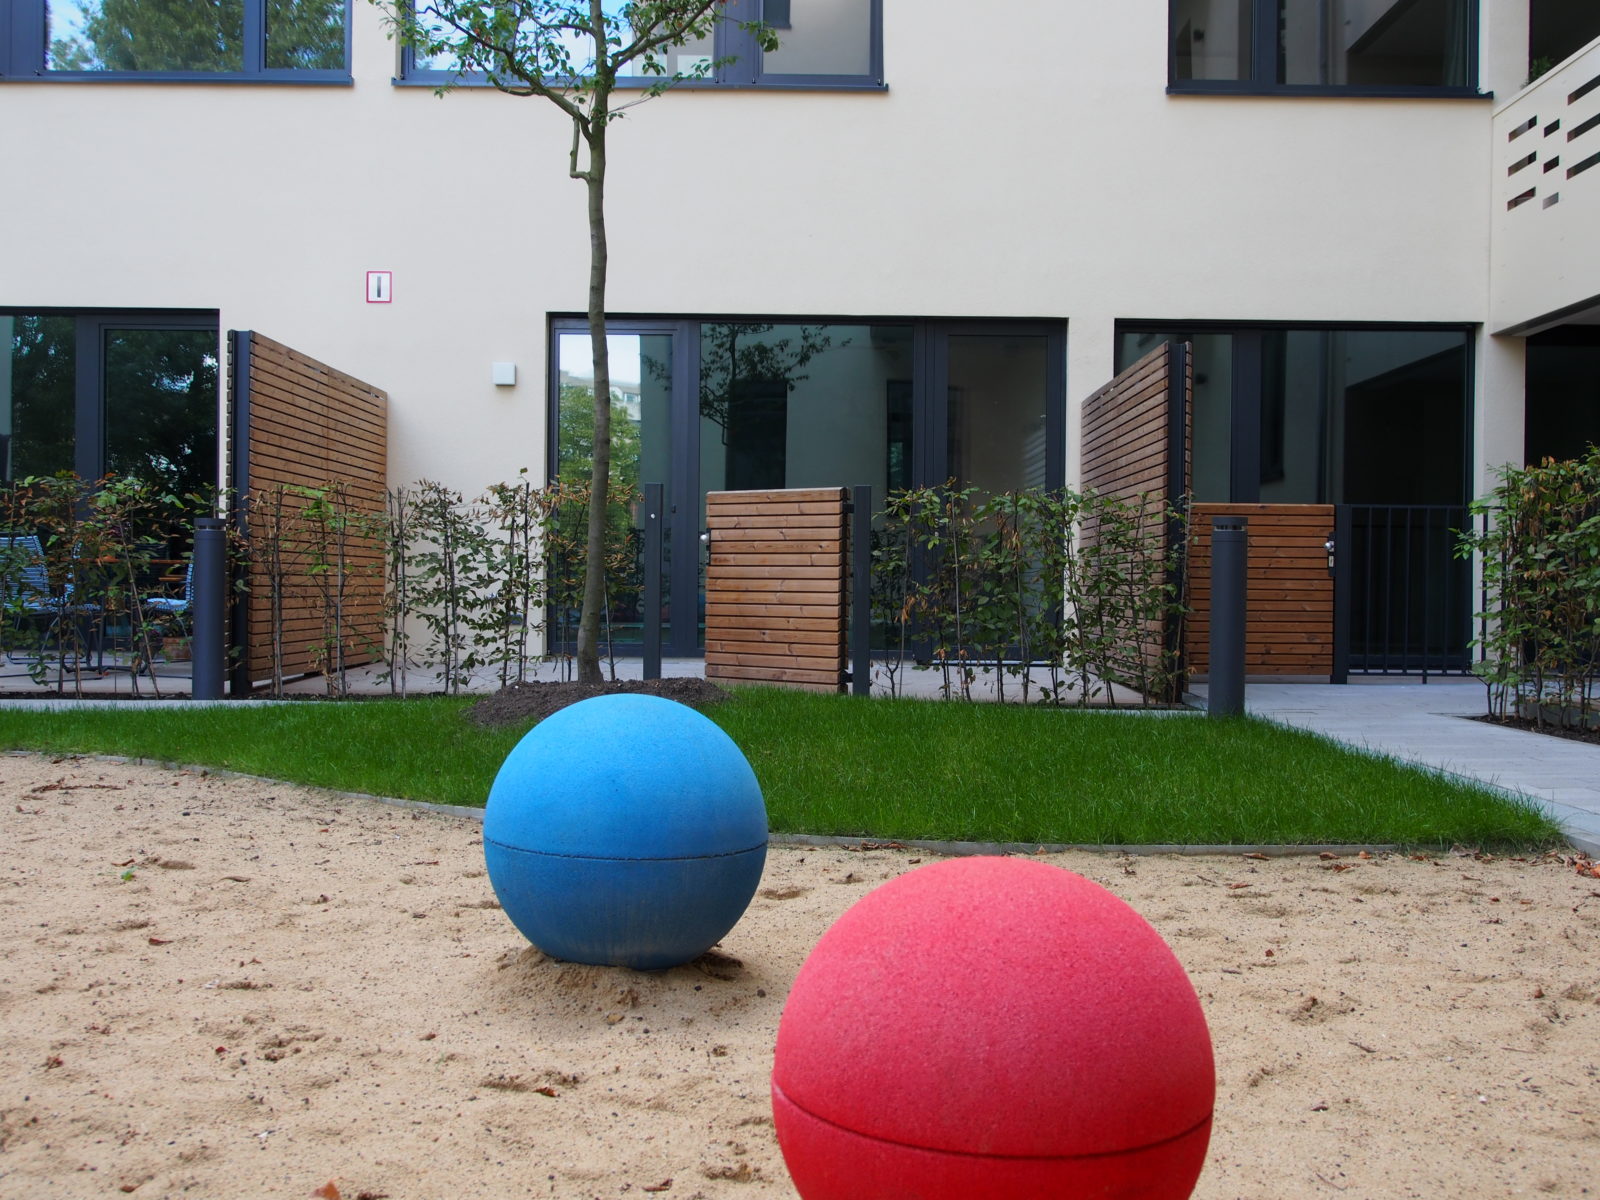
(573, 54)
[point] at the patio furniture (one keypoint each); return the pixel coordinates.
(26, 596)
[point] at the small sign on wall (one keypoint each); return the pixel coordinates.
(380, 287)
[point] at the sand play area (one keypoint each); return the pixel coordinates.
(218, 987)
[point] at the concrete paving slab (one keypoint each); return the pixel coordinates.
(1428, 725)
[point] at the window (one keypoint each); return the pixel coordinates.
(1558, 29)
(717, 405)
(1563, 393)
(1280, 415)
(291, 41)
(134, 394)
(1323, 47)
(822, 44)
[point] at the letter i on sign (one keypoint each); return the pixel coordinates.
(380, 287)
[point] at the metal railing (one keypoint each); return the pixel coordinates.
(1406, 596)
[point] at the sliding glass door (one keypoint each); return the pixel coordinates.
(740, 405)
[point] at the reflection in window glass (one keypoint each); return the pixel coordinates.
(146, 35)
(794, 406)
(691, 59)
(824, 37)
(1352, 416)
(305, 35)
(784, 406)
(37, 377)
(161, 407)
(641, 407)
(1211, 39)
(997, 407)
(1372, 43)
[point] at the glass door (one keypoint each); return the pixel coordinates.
(752, 405)
(996, 385)
(644, 365)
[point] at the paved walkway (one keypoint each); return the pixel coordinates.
(1425, 724)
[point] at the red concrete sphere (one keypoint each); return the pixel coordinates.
(992, 1027)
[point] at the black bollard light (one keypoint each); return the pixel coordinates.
(210, 650)
(1230, 558)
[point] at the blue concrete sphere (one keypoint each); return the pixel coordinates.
(626, 831)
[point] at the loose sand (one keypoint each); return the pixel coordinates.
(227, 988)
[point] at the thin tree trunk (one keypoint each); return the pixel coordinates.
(600, 477)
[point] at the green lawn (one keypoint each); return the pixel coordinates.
(891, 769)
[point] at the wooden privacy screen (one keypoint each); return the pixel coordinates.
(1136, 448)
(1289, 597)
(298, 423)
(776, 586)
(1129, 425)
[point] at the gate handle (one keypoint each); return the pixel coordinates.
(1328, 546)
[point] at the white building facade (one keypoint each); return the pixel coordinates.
(871, 257)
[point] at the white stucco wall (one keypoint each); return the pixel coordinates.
(1546, 249)
(1041, 176)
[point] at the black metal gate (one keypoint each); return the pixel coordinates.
(1402, 595)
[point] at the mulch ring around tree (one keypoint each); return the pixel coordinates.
(531, 702)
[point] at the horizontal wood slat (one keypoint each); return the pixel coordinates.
(1288, 592)
(776, 587)
(309, 426)
(1127, 454)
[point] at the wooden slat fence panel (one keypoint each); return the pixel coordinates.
(306, 425)
(776, 587)
(1128, 441)
(1289, 594)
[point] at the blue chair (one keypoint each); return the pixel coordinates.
(172, 606)
(26, 595)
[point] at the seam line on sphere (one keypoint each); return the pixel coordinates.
(489, 841)
(1177, 1137)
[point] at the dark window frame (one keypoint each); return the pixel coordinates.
(1263, 73)
(24, 52)
(90, 328)
(730, 42)
(928, 454)
(1249, 384)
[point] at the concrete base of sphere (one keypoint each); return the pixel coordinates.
(828, 1162)
(647, 914)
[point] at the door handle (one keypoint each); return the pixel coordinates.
(1328, 546)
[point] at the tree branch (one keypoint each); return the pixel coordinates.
(674, 33)
(577, 130)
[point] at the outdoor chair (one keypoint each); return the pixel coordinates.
(26, 596)
(172, 606)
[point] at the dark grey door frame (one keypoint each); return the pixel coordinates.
(930, 424)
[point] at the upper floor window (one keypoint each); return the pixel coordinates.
(302, 41)
(821, 44)
(1558, 29)
(1373, 47)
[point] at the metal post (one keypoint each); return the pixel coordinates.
(1230, 558)
(210, 596)
(654, 499)
(1344, 576)
(861, 591)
